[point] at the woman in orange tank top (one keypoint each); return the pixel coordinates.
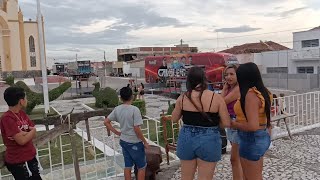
(252, 120)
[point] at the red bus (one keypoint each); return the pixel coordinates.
(162, 68)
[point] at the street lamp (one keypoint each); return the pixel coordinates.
(42, 60)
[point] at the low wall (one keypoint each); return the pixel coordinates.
(295, 82)
(22, 74)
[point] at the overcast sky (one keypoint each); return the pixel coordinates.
(88, 27)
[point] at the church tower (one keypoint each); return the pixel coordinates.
(12, 9)
(19, 44)
(3, 5)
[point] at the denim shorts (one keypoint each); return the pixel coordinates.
(253, 145)
(199, 142)
(134, 154)
(232, 134)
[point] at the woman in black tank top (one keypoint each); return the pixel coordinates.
(209, 119)
(202, 112)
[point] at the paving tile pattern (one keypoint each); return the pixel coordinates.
(297, 159)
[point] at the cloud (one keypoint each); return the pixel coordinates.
(313, 4)
(70, 49)
(292, 11)
(239, 29)
(284, 14)
(96, 26)
(98, 22)
(170, 35)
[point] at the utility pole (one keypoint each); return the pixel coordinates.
(181, 41)
(217, 42)
(42, 60)
(105, 63)
(76, 71)
(288, 70)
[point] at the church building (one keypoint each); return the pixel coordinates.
(19, 43)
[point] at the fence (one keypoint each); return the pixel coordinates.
(100, 156)
(96, 160)
(306, 108)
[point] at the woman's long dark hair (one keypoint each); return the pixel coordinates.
(249, 76)
(196, 80)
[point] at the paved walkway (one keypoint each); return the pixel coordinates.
(297, 159)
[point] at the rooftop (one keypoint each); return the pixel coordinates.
(316, 28)
(255, 48)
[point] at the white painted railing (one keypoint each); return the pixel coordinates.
(95, 160)
(306, 108)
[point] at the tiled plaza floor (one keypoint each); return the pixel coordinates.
(288, 159)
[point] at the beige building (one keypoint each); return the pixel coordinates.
(19, 43)
(118, 67)
(139, 53)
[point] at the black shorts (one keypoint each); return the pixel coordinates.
(20, 171)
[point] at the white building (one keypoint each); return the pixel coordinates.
(304, 58)
(137, 68)
(274, 62)
(306, 51)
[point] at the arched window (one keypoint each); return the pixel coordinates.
(31, 44)
(32, 52)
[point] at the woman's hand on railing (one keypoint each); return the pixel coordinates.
(146, 145)
(118, 133)
(166, 117)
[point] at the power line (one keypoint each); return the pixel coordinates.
(232, 37)
(235, 44)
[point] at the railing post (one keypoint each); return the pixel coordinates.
(74, 154)
(157, 133)
(148, 130)
(88, 129)
(46, 122)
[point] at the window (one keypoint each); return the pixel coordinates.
(310, 43)
(0, 66)
(32, 50)
(277, 70)
(305, 70)
(33, 61)
(31, 44)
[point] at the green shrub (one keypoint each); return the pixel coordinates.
(106, 97)
(35, 99)
(141, 104)
(10, 80)
(171, 108)
(58, 91)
